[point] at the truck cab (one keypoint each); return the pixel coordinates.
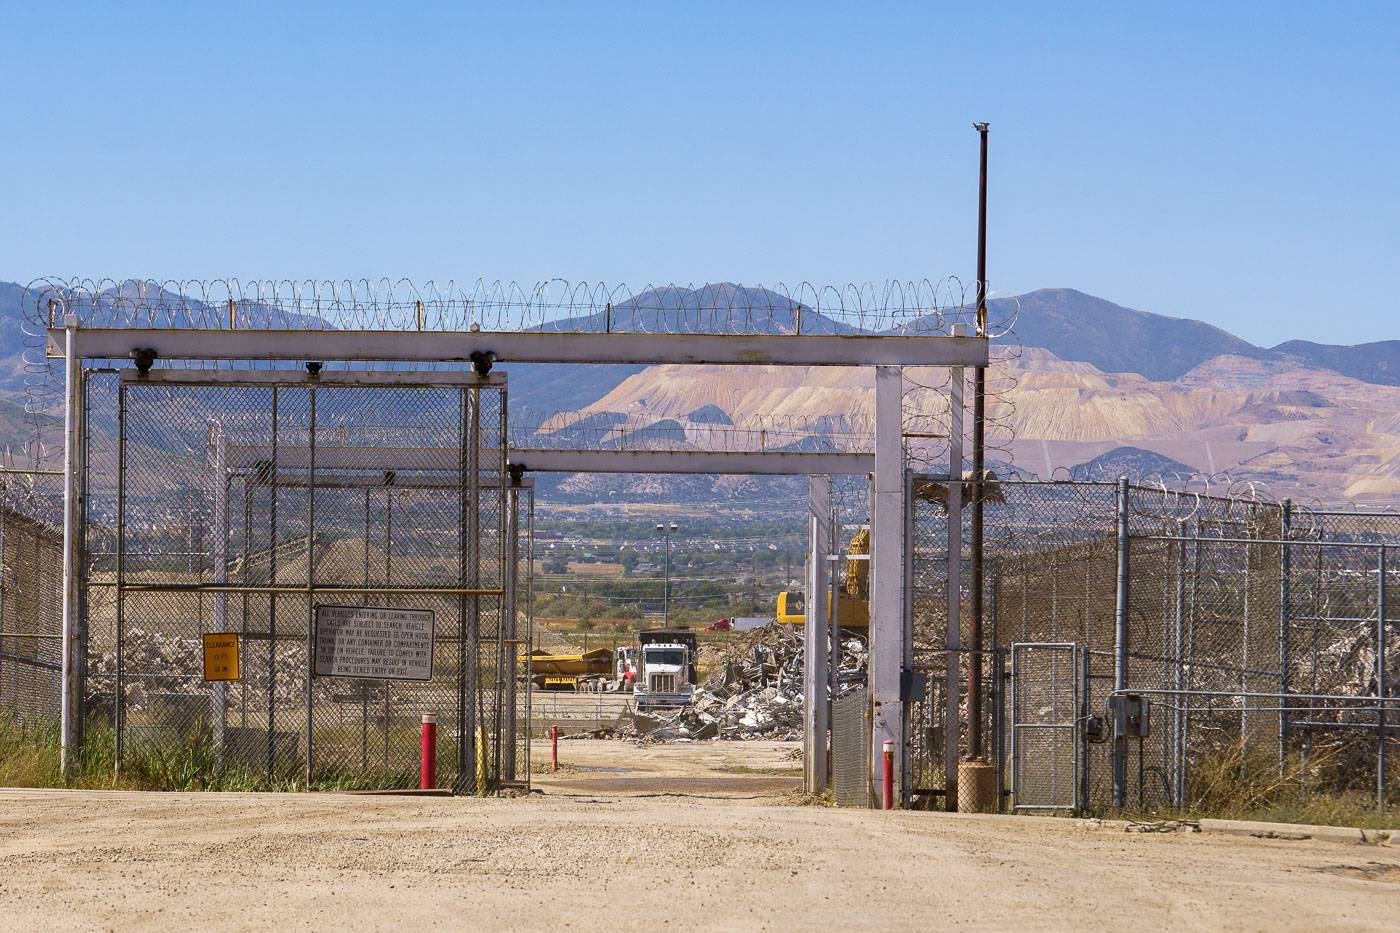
(627, 664)
(665, 676)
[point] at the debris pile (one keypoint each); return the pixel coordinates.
(756, 694)
(163, 671)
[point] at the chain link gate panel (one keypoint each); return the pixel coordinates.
(850, 749)
(244, 504)
(519, 633)
(1046, 734)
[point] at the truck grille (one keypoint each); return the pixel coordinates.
(662, 683)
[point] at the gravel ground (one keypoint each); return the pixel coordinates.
(676, 837)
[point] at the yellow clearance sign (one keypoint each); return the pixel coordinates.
(220, 655)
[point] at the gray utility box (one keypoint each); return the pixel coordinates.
(1131, 715)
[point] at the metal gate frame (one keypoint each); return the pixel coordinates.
(486, 471)
(1075, 799)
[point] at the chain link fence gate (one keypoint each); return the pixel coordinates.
(1047, 712)
(246, 502)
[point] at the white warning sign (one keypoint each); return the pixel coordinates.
(372, 642)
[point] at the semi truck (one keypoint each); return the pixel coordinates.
(659, 670)
(667, 668)
(665, 676)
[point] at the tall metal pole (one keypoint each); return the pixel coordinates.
(979, 414)
(666, 590)
(69, 705)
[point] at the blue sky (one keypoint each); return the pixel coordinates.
(1231, 162)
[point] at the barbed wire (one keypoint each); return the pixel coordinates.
(35, 495)
(927, 405)
(917, 307)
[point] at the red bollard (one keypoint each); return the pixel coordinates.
(889, 775)
(554, 737)
(429, 781)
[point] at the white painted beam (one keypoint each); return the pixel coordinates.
(527, 347)
(765, 463)
(300, 377)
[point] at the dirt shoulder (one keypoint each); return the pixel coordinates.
(592, 853)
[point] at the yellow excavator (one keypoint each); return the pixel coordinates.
(854, 598)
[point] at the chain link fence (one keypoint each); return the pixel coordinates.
(31, 595)
(1254, 630)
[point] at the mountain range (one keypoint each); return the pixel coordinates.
(1081, 384)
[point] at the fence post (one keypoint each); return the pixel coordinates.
(69, 702)
(510, 649)
(1081, 802)
(220, 578)
(907, 664)
(1179, 650)
(1120, 644)
(1380, 681)
(310, 582)
(1284, 652)
(4, 517)
(999, 694)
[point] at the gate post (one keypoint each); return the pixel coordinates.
(815, 663)
(511, 520)
(220, 578)
(887, 566)
(1120, 644)
(953, 638)
(69, 710)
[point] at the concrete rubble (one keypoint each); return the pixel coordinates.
(756, 694)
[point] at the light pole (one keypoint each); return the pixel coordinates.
(666, 592)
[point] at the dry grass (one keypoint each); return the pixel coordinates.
(29, 757)
(1236, 783)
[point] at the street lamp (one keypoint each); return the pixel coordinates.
(666, 592)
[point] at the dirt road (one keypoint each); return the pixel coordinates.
(685, 837)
